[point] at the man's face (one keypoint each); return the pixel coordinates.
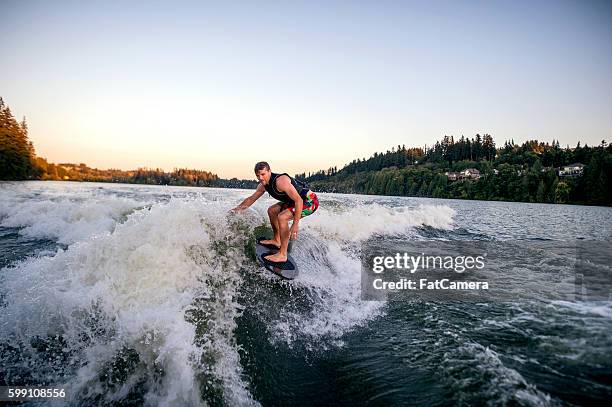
(263, 176)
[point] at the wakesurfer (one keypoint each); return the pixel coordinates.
(296, 201)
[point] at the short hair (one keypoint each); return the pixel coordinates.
(262, 165)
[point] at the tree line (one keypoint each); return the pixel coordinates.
(528, 172)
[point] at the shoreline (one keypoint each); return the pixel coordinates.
(324, 192)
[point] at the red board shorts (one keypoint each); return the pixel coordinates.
(311, 203)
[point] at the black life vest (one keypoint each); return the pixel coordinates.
(300, 186)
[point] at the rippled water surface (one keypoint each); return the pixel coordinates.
(128, 294)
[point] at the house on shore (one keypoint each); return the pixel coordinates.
(468, 173)
(453, 176)
(572, 170)
(471, 173)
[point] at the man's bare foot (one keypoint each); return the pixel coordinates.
(276, 257)
(271, 242)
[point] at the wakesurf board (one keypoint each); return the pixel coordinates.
(287, 270)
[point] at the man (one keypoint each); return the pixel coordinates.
(296, 202)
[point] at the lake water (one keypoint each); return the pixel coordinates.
(129, 294)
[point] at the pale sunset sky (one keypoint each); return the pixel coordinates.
(306, 85)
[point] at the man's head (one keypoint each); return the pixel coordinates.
(262, 172)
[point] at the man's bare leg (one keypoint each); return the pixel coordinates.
(283, 222)
(273, 212)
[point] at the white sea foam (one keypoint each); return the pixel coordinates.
(470, 363)
(64, 220)
(361, 222)
(133, 288)
(329, 246)
(599, 308)
(333, 279)
(152, 279)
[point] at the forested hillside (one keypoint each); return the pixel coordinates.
(529, 172)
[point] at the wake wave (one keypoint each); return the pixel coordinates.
(362, 222)
(333, 252)
(142, 291)
(143, 303)
(65, 220)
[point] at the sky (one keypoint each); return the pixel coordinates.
(305, 86)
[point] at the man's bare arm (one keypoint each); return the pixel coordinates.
(251, 199)
(284, 184)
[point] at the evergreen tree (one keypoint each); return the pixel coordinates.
(17, 159)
